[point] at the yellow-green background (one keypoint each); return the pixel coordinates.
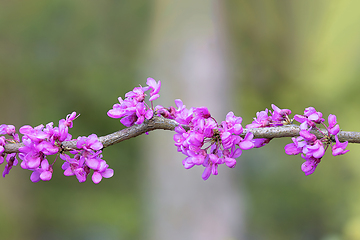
(62, 56)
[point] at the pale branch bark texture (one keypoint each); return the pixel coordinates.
(169, 124)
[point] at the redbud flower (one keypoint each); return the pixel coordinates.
(155, 88)
(309, 166)
(279, 116)
(295, 147)
(339, 148)
(333, 126)
(316, 150)
(262, 120)
(42, 173)
(11, 161)
(75, 166)
(89, 143)
(313, 115)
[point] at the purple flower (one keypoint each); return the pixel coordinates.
(309, 166)
(42, 173)
(339, 148)
(137, 94)
(207, 143)
(262, 120)
(309, 137)
(229, 157)
(98, 175)
(155, 88)
(7, 129)
(69, 119)
(247, 143)
(233, 123)
(211, 165)
(317, 150)
(296, 147)
(228, 140)
(165, 112)
(260, 142)
(133, 109)
(142, 112)
(11, 161)
(183, 115)
(89, 143)
(2, 149)
(333, 126)
(75, 166)
(202, 112)
(313, 115)
(279, 116)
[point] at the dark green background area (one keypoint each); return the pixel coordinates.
(62, 56)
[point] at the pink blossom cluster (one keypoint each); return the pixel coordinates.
(42, 141)
(133, 109)
(277, 117)
(208, 143)
(89, 157)
(311, 148)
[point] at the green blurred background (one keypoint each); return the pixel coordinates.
(62, 56)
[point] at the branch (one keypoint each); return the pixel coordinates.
(169, 124)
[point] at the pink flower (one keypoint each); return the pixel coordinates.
(309, 166)
(42, 173)
(155, 88)
(333, 126)
(89, 143)
(262, 120)
(339, 148)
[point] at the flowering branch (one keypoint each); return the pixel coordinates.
(156, 123)
(198, 136)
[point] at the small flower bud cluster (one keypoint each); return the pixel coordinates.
(133, 109)
(207, 143)
(41, 141)
(277, 117)
(311, 148)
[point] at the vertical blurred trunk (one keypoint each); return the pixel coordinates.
(186, 51)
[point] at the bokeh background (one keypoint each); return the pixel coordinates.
(62, 56)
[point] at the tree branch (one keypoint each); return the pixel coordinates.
(169, 124)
